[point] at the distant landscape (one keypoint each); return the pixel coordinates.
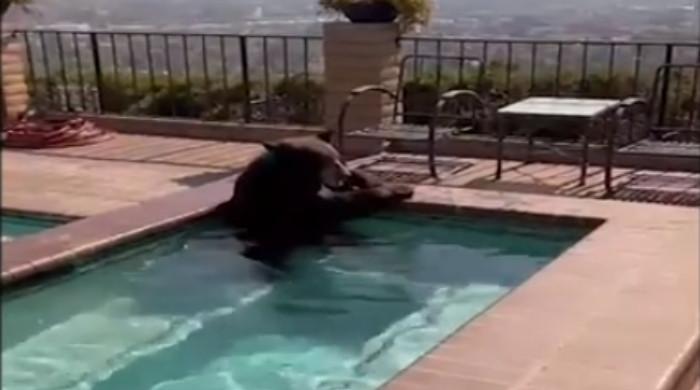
(606, 19)
(281, 79)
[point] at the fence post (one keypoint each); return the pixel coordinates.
(243, 44)
(665, 83)
(97, 63)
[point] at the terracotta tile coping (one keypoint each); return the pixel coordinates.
(597, 318)
(686, 372)
(618, 310)
(69, 244)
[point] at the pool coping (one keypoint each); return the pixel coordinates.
(676, 230)
(567, 336)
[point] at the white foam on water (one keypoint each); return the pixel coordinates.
(215, 381)
(298, 364)
(65, 354)
(89, 347)
(273, 361)
(6, 238)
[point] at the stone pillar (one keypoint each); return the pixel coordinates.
(14, 86)
(355, 55)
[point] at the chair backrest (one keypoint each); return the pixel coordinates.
(674, 102)
(423, 77)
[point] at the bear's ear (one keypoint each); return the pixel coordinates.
(326, 136)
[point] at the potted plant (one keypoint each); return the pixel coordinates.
(408, 13)
(6, 4)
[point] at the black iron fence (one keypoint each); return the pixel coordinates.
(278, 78)
(206, 76)
(596, 69)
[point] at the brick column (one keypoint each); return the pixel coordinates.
(355, 55)
(14, 86)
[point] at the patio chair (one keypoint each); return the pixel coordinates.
(647, 131)
(475, 113)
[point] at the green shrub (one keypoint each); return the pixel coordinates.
(119, 95)
(301, 99)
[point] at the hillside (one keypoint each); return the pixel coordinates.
(623, 19)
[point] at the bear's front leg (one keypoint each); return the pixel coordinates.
(338, 206)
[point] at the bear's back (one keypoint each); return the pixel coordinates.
(270, 181)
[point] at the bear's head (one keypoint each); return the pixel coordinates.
(311, 155)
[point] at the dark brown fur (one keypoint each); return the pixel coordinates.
(280, 200)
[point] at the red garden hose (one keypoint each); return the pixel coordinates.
(35, 133)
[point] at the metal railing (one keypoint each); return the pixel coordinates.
(279, 77)
(209, 76)
(584, 68)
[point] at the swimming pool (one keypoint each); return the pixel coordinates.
(188, 312)
(16, 225)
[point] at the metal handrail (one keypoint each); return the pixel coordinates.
(346, 106)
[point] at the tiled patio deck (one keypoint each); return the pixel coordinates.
(129, 169)
(677, 188)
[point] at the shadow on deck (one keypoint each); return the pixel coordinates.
(674, 188)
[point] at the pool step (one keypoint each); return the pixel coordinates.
(87, 345)
(90, 347)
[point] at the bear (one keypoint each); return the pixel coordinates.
(299, 190)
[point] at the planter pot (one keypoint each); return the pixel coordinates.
(371, 12)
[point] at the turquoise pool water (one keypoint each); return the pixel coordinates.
(17, 226)
(188, 313)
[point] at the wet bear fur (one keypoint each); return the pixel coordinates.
(284, 198)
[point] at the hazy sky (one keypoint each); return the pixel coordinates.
(163, 12)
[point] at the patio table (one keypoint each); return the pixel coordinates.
(593, 112)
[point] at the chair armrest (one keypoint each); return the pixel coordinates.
(634, 102)
(481, 104)
(454, 94)
(348, 102)
(371, 88)
(631, 105)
